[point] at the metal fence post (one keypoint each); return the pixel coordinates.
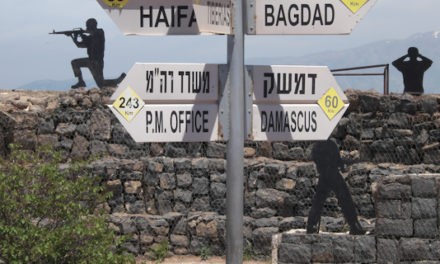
(386, 80)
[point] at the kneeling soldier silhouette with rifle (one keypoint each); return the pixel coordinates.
(93, 40)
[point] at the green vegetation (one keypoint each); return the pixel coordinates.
(49, 215)
(160, 251)
(205, 253)
(248, 252)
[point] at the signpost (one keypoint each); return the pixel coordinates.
(180, 102)
(305, 17)
(162, 102)
(170, 17)
(293, 103)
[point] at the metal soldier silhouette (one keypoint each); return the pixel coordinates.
(413, 66)
(93, 40)
(326, 156)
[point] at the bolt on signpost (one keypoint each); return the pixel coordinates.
(289, 102)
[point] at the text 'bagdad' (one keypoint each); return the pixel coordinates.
(299, 15)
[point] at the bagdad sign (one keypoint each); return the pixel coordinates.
(170, 17)
(163, 102)
(293, 103)
(311, 17)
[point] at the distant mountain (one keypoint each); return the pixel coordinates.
(381, 52)
(47, 85)
(52, 85)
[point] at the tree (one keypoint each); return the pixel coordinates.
(48, 214)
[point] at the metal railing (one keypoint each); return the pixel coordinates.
(385, 74)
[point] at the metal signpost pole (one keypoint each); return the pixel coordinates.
(235, 154)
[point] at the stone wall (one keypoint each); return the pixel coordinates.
(408, 218)
(176, 191)
(296, 246)
(407, 229)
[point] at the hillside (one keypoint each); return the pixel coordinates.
(52, 85)
(381, 52)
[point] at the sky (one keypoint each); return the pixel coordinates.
(29, 53)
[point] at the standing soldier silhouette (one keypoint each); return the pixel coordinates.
(413, 66)
(326, 156)
(94, 40)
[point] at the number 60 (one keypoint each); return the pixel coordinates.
(331, 101)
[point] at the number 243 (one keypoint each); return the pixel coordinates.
(129, 102)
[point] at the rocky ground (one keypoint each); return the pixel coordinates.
(196, 260)
(11, 100)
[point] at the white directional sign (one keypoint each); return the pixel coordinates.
(292, 122)
(165, 82)
(173, 123)
(310, 17)
(293, 103)
(164, 102)
(291, 84)
(170, 17)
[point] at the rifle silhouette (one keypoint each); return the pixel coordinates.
(75, 31)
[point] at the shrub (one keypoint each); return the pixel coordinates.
(160, 251)
(49, 215)
(205, 253)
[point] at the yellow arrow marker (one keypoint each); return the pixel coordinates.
(116, 3)
(128, 104)
(331, 103)
(354, 5)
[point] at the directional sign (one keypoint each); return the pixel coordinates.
(170, 17)
(292, 122)
(291, 84)
(163, 102)
(166, 82)
(308, 17)
(293, 103)
(173, 123)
